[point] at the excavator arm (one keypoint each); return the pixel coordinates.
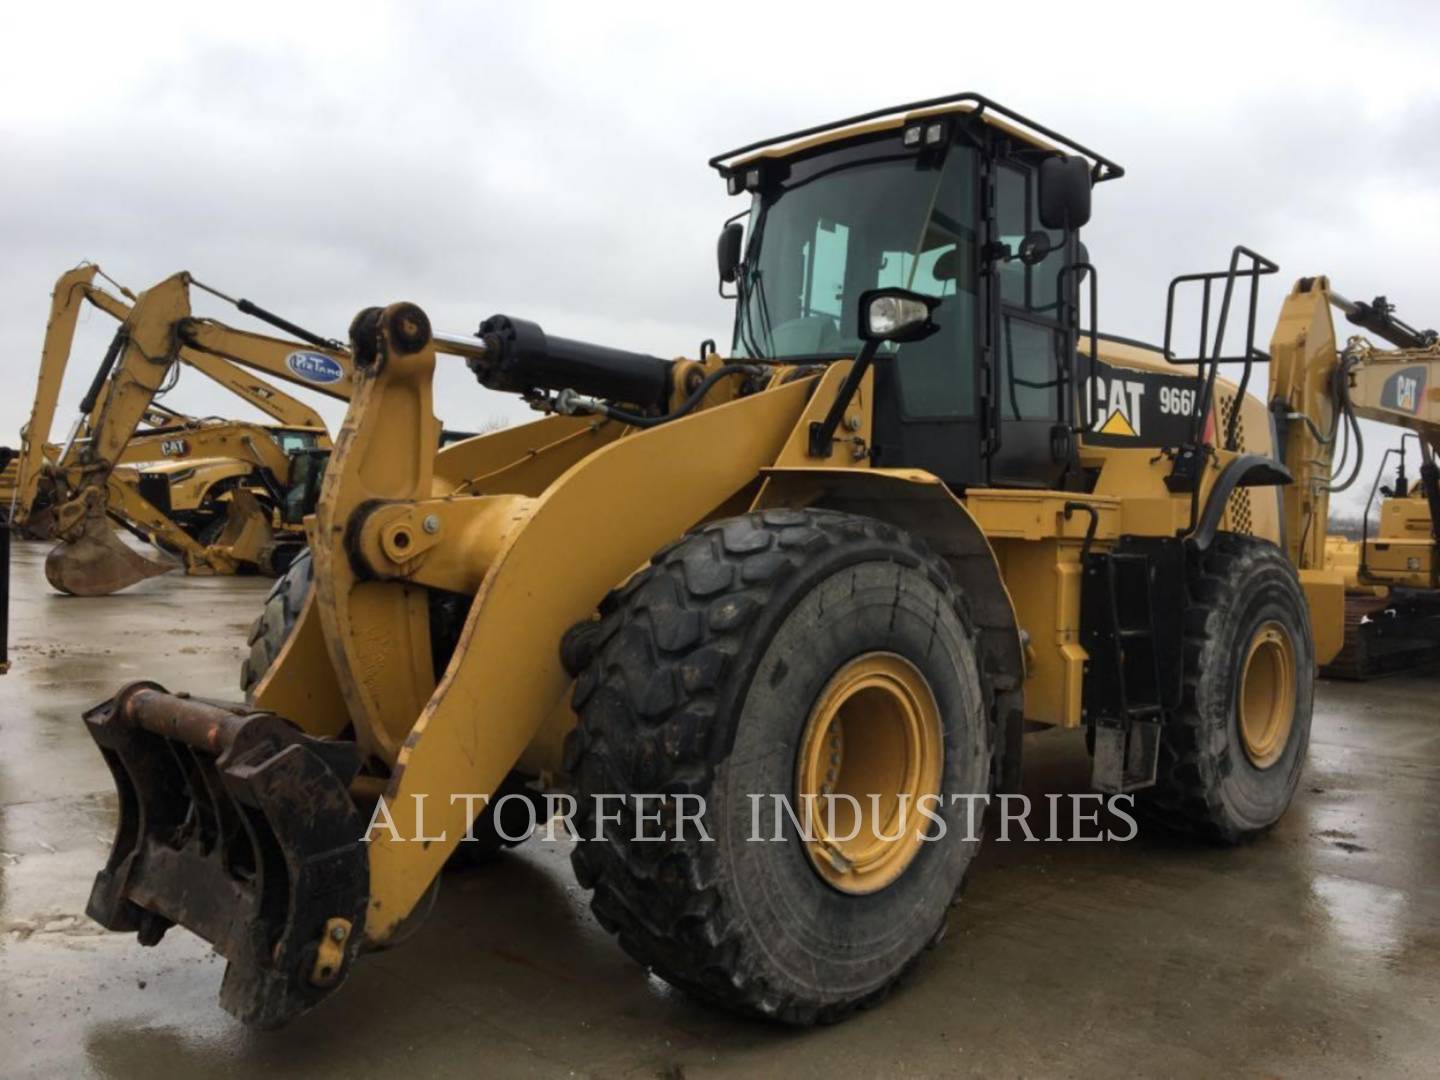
(269, 399)
(1320, 390)
(71, 291)
(156, 332)
(219, 352)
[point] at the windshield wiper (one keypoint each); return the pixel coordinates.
(758, 292)
(752, 298)
(743, 324)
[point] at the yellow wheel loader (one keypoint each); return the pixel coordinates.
(73, 492)
(742, 617)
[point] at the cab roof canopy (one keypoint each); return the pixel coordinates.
(900, 116)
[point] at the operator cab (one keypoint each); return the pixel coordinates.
(954, 200)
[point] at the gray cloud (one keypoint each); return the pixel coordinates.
(548, 160)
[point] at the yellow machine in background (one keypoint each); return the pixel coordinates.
(9, 479)
(923, 505)
(72, 491)
(1391, 571)
(224, 495)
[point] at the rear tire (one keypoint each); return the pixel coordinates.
(705, 676)
(1248, 654)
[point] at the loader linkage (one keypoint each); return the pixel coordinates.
(241, 828)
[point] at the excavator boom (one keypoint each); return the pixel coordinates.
(156, 333)
(1320, 389)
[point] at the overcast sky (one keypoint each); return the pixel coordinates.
(548, 160)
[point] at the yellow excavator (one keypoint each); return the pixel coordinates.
(748, 613)
(73, 491)
(1392, 613)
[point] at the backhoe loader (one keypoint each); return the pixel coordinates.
(224, 495)
(72, 492)
(922, 506)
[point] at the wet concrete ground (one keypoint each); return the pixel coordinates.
(1314, 952)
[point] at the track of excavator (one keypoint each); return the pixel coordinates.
(1387, 634)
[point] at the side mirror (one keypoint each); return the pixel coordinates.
(896, 315)
(1064, 201)
(1035, 247)
(727, 251)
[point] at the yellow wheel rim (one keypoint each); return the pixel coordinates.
(874, 730)
(1267, 695)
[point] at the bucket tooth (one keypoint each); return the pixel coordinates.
(239, 827)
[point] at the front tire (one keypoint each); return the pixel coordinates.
(276, 619)
(1232, 755)
(713, 673)
(268, 634)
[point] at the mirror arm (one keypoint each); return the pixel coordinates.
(994, 252)
(822, 432)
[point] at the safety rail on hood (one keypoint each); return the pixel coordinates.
(1210, 355)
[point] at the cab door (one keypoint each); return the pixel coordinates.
(928, 411)
(1028, 401)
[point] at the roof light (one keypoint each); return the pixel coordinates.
(911, 138)
(757, 176)
(935, 133)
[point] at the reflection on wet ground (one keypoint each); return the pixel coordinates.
(1313, 952)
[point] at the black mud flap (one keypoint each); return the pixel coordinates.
(239, 827)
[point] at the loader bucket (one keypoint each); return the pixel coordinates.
(239, 827)
(97, 562)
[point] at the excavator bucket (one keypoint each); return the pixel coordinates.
(40, 525)
(241, 828)
(96, 562)
(247, 530)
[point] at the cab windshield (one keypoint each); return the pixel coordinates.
(860, 218)
(291, 441)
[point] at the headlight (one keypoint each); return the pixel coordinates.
(896, 315)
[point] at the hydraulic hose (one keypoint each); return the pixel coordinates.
(686, 406)
(1340, 390)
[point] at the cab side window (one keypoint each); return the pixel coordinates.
(1029, 342)
(1035, 288)
(1029, 366)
